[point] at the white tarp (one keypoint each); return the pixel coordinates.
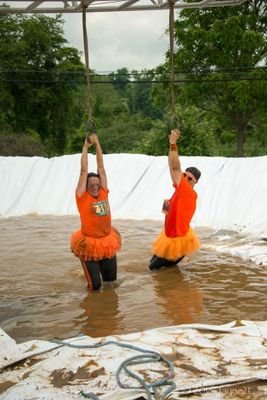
(232, 192)
(207, 359)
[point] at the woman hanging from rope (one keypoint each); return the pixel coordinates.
(177, 239)
(97, 242)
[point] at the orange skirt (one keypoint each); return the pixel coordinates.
(90, 248)
(173, 248)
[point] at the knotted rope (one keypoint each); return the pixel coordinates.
(174, 117)
(90, 124)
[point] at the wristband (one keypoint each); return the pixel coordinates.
(173, 147)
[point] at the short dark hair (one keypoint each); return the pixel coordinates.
(92, 175)
(194, 171)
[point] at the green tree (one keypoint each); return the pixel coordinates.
(125, 133)
(109, 107)
(198, 134)
(139, 94)
(120, 79)
(21, 145)
(217, 51)
(36, 90)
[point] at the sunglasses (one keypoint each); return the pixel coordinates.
(189, 178)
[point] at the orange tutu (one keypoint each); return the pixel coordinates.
(90, 248)
(173, 248)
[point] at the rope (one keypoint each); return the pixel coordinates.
(148, 356)
(175, 121)
(90, 125)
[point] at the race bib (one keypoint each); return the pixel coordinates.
(102, 208)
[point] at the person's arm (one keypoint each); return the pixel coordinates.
(173, 157)
(99, 161)
(81, 186)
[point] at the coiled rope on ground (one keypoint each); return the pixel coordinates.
(148, 356)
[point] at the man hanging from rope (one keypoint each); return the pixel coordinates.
(97, 242)
(177, 239)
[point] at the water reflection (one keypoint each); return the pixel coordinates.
(182, 301)
(101, 315)
(44, 295)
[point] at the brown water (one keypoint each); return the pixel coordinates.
(44, 295)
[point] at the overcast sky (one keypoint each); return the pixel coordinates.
(133, 39)
(136, 39)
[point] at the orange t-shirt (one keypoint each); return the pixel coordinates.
(181, 209)
(94, 214)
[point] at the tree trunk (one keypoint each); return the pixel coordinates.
(241, 127)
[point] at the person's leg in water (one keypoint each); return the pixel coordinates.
(92, 272)
(158, 262)
(108, 269)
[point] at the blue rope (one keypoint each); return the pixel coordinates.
(148, 357)
(89, 395)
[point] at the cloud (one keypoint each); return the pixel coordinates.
(135, 40)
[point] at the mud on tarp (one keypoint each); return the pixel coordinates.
(205, 358)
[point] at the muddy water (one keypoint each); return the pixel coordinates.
(43, 292)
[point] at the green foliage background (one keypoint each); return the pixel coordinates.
(221, 86)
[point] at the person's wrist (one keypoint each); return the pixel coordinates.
(173, 146)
